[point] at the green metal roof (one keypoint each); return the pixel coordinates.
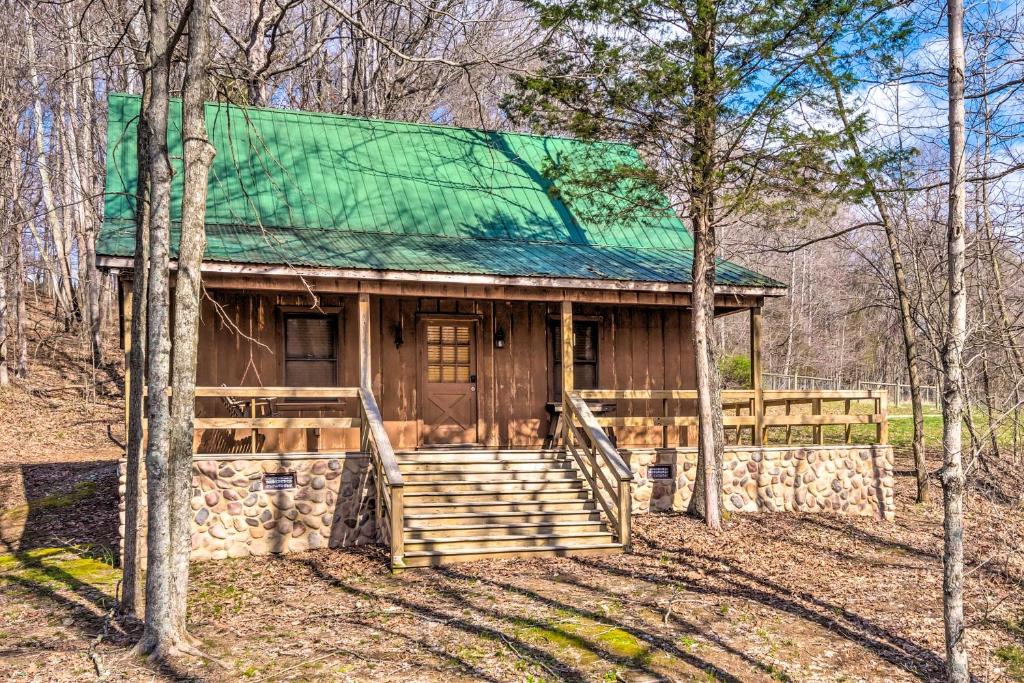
(321, 190)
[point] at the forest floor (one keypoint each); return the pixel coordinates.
(772, 597)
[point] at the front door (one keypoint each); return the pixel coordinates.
(448, 404)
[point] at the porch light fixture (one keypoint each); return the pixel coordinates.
(399, 334)
(499, 338)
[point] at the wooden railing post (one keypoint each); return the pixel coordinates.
(849, 428)
(816, 430)
(625, 515)
(756, 322)
(397, 524)
(882, 410)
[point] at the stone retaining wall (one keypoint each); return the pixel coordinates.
(854, 480)
(331, 505)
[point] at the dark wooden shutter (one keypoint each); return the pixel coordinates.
(311, 352)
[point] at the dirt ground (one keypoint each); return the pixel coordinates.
(773, 597)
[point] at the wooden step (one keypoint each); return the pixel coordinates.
(505, 485)
(466, 456)
(413, 533)
(434, 558)
(445, 543)
(413, 507)
(486, 466)
(456, 519)
(546, 493)
(539, 474)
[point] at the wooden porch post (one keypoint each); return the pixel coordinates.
(127, 297)
(567, 368)
(567, 352)
(755, 374)
(365, 371)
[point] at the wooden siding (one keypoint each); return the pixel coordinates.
(241, 344)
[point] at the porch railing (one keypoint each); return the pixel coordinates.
(756, 411)
(606, 472)
(387, 478)
(263, 405)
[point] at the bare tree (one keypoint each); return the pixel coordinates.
(199, 154)
(952, 474)
(160, 639)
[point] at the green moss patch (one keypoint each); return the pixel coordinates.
(1013, 657)
(56, 501)
(591, 641)
(49, 568)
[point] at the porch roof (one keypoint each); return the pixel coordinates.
(329, 191)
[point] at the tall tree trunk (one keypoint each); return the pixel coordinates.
(198, 156)
(61, 239)
(160, 638)
(902, 295)
(5, 257)
(20, 338)
(953, 480)
(710, 440)
(133, 598)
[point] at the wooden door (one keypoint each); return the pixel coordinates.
(448, 396)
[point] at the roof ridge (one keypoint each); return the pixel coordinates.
(394, 122)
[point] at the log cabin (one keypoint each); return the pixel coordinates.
(422, 336)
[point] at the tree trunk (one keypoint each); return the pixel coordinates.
(5, 225)
(62, 287)
(160, 638)
(198, 156)
(20, 338)
(953, 480)
(133, 597)
(706, 499)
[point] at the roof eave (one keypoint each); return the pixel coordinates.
(267, 270)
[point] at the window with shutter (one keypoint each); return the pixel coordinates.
(584, 356)
(310, 350)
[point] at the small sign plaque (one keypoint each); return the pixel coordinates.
(659, 471)
(279, 482)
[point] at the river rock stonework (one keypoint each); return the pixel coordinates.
(330, 506)
(854, 480)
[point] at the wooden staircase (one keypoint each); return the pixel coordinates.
(462, 505)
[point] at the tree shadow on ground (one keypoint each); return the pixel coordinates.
(64, 505)
(741, 584)
(647, 636)
(460, 605)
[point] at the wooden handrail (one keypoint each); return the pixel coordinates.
(270, 392)
(379, 438)
(599, 438)
(388, 482)
(620, 508)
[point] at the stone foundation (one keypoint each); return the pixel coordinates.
(233, 515)
(853, 480)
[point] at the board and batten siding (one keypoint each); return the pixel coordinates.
(242, 344)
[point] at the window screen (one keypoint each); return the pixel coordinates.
(584, 356)
(310, 350)
(448, 353)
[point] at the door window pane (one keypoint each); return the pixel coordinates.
(449, 358)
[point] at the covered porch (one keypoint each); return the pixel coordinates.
(374, 416)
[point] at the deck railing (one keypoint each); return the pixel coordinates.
(264, 405)
(387, 478)
(753, 411)
(606, 472)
